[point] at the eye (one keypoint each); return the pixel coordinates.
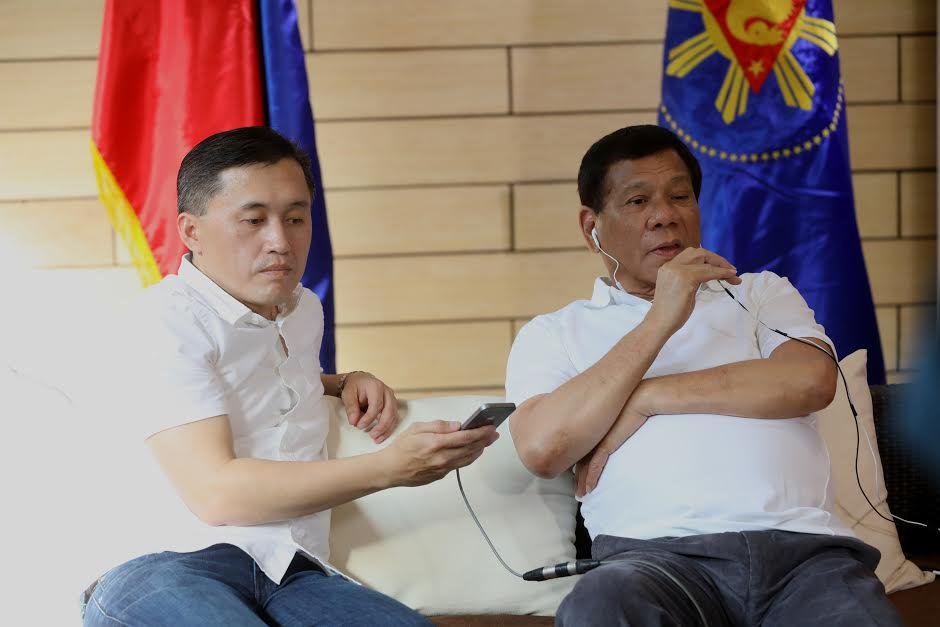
(296, 221)
(681, 197)
(637, 201)
(253, 221)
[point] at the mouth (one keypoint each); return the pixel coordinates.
(668, 250)
(277, 270)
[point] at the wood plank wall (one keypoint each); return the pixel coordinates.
(450, 133)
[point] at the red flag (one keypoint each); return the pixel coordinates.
(170, 73)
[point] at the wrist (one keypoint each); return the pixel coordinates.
(386, 475)
(344, 380)
(644, 397)
(657, 326)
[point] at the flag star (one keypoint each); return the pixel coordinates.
(756, 68)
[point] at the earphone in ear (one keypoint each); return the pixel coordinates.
(597, 242)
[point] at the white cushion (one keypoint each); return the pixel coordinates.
(49, 492)
(838, 429)
(420, 545)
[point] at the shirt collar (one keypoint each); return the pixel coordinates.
(606, 294)
(225, 305)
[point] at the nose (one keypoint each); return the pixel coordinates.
(276, 238)
(662, 214)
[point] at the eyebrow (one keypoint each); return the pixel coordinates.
(254, 204)
(679, 178)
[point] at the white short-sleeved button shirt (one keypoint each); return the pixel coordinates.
(201, 353)
(690, 474)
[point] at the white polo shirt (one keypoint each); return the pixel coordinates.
(199, 353)
(690, 474)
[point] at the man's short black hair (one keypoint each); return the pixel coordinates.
(632, 142)
(198, 178)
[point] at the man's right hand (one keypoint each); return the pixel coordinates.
(678, 281)
(427, 451)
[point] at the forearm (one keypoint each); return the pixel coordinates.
(554, 431)
(247, 491)
(757, 388)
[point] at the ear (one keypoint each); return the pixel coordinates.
(588, 220)
(188, 227)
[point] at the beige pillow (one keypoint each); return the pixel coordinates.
(837, 427)
(420, 545)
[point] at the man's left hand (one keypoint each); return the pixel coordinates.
(370, 405)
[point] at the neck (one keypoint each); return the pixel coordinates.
(269, 312)
(633, 288)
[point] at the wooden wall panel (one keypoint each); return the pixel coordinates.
(869, 68)
(54, 233)
(461, 150)
(888, 330)
(423, 356)
(50, 29)
(912, 130)
(408, 83)
(46, 164)
(586, 78)
(460, 287)
(46, 94)
(902, 271)
(866, 17)
(546, 216)
(303, 23)
(919, 68)
(418, 220)
(876, 203)
(340, 24)
(918, 204)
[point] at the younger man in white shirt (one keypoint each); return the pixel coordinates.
(230, 402)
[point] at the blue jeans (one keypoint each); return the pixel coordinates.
(222, 585)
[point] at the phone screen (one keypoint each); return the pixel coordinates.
(489, 414)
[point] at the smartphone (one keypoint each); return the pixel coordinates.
(489, 414)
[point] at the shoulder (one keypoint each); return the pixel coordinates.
(172, 313)
(309, 303)
(761, 286)
(552, 323)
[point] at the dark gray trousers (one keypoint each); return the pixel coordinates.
(765, 578)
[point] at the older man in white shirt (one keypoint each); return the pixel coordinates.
(229, 398)
(704, 482)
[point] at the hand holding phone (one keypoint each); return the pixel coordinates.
(489, 414)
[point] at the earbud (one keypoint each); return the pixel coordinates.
(597, 242)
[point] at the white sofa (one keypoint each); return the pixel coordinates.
(417, 544)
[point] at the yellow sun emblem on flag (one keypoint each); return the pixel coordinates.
(757, 36)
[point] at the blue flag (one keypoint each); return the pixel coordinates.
(289, 113)
(754, 89)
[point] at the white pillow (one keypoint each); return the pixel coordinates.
(48, 480)
(837, 427)
(420, 545)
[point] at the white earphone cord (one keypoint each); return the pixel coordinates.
(600, 249)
